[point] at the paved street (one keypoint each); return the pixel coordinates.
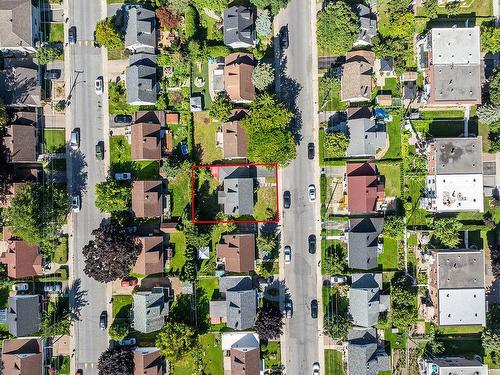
(302, 219)
(86, 113)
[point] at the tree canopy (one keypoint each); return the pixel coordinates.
(116, 361)
(111, 254)
(269, 324)
(335, 262)
(175, 340)
(446, 231)
(263, 24)
(46, 54)
(490, 37)
(337, 326)
(56, 320)
(4, 116)
(273, 5)
(403, 301)
(217, 6)
(494, 87)
(118, 330)
(112, 196)
(337, 28)
(336, 144)
(168, 17)
(108, 34)
(221, 108)
(394, 227)
(431, 9)
(263, 76)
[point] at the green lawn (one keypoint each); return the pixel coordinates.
(443, 114)
(204, 138)
(54, 140)
(390, 87)
(118, 99)
(122, 306)
(121, 160)
(329, 95)
(61, 252)
(321, 146)
(459, 330)
(394, 132)
(265, 207)
(200, 70)
(392, 178)
(212, 354)
(271, 352)
(54, 32)
(415, 215)
(389, 257)
(439, 128)
(119, 149)
(333, 362)
(179, 241)
(180, 188)
(478, 8)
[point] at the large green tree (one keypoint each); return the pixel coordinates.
(337, 326)
(431, 9)
(336, 144)
(403, 301)
(273, 5)
(263, 76)
(47, 54)
(270, 138)
(175, 340)
(221, 108)
(112, 196)
(335, 262)
(4, 116)
(117, 361)
(494, 87)
(394, 227)
(56, 320)
(337, 28)
(446, 231)
(108, 34)
(118, 330)
(490, 37)
(217, 6)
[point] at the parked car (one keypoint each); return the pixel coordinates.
(130, 281)
(99, 150)
(288, 254)
(123, 119)
(284, 39)
(288, 309)
(52, 288)
(336, 280)
(128, 342)
(131, 229)
(79, 372)
(312, 243)
(130, 6)
(287, 199)
(72, 35)
(52, 74)
(103, 320)
(314, 309)
(123, 176)
(312, 193)
(315, 368)
(310, 151)
(21, 287)
(75, 203)
(74, 140)
(99, 86)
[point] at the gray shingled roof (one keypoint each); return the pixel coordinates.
(19, 85)
(23, 315)
(141, 30)
(239, 27)
(237, 196)
(364, 299)
(241, 301)
(364, 356)
(362, 242)
(368, 23)
(140, 79)
(365, 137)
(150, 310)
(16, 29)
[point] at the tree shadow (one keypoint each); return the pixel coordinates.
(79, 171)
(77, 299)
(289, 93)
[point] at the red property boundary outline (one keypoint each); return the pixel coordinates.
(193, 167)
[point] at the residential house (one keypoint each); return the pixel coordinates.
(21, 24)
(20, 139)
(356, 80)
(365, 190)
(150, 309)
(409, 86)
(22, 356)
(238, 77)
(452, 365)
(19, 83)
(147, 198)
(146, 141)
(366, 136)
(451, 59)
(385, 66)
(364, 355)
(234, 137)
(363, 242)
(149, 361)
(241, 352)
(140, 80)
(237, 252)
(151, 259)
(457, 287)
(22, 260)
(237, 194)
(140, 36)
(368, 25)
(365, 299)
(239, 27)
(23, 315)
(237, 306)
(455, 175)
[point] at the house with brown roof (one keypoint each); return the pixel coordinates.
(20, 139)
(241, 353)
(146, 141)
(22, 356)
(356, 80)
(365, 190)
(22, 260)
(151, 259)
(237, 252)
(147, 198)
(148, 361)
(238, 72)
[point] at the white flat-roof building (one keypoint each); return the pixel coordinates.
(453, 365)
(472, 303)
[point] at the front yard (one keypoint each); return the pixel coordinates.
(265, 207)
(54, 32)
(121, 306)
(54, 140)
(118, 100)
(121, 160)
(333, 362)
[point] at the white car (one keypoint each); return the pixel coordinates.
(22, 287)
(337, 280)
(75, 203)
(288, 254)
(74, 141)
(312, 193)
(316, 368)
(123, 176)
(52, 288)
(99, 86)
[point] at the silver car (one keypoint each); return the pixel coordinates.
(74, 141)
(99, 86)
(75, 203)
(288, 254)
(312, 193)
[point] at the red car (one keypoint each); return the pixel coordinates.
(79, 372)
(129, 282)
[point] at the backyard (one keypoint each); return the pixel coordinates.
(205, 131)
(177, 262)
(199, 82)
(392, 178)
(394, 133)
(180, 188)
(388, 260)
(211, 357)
(415, 215)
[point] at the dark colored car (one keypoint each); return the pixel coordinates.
(103, 320)
(123, 119)
(79, 372)
(132, 281)
(72, 35)
(284, 40)
(312, 243)
(99, 150)
(314, 309)
(310, 151)
(52, 74)
(287, 200)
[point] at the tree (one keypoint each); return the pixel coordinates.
(118, 330)
(269, 323)
(268, 245)
(337, 326)
(263, 76)
(175, 340)
(453, 7)
(495, 260)
(196, 51)
(56, 320)
(431, 9)
(337, 28)
(491, 344)
(273, 5)
(112, 196)
(270, 138)
(217, 6)
(446, 231)
(335, 260)
(171, 166)
(108, 34)
(488, 113)
(263, 24)
(116, 361)
(403, 301)
(490, 37)
(168, 18)
(4, 116)
(494, 87)
(336, 144)
(433, 346)
(111, 254)
(178, 6)
(46, 54)
(37, 213)
(394, 227)
(221, 108)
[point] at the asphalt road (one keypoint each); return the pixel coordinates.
(302, 218)
(86, 107)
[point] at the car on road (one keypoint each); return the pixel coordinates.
(337, 280)
(99, 86)
(288, 254)
(99, 150)
(128, 342)
(311, 241)
(21, 287)
(123, 176)
(311, 190)
(284, 38)
(52, 288)
(72, 35)
(314, 309)
(75, 203)
(288, 309)
(123, 119)
(129, 281)
(315, 368)
(287, 199)
(103, 320)
(310, 151)
(74, 140)
(79, 372)
(52, 74)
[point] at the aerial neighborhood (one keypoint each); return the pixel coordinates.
(249, 187)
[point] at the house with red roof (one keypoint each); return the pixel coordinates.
(365, 189)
